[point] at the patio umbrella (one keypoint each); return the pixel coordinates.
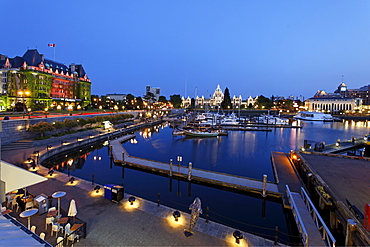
(72, 209)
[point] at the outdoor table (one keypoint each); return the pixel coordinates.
(75, 227)
(58, 195)
(52, 213)
(6, 211)
(28, 213)
(63, 220)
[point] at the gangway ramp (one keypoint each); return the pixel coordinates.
(309, 222)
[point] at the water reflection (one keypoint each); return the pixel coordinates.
(240, 153)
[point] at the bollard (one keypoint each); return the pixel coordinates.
(309, 179)
(92, 179)
(207, 209)
(276, 236)
(264, 185)
(351, 226)
(189, 171)
(159, 199)
(170, 167)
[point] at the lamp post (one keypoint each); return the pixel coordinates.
(179, 159)
(23, 94)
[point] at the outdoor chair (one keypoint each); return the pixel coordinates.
(56, 228)
(73, 237)
(60, 242)
(52, 209)
(42, 235)
(15, 204)
(29, 205)
(33, 229)
(49, 220)
(67, 230)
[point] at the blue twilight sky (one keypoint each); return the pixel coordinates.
(252, 47)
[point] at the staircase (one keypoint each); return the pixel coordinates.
(22, 144)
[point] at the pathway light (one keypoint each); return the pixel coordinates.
(131, 199)
(176, 214)
(237, 235)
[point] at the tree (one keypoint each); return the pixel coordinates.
(263, 102)
(58, 125)
(70, 124)
(41, 127)
(175, 100)
(130, 101)
(139, 103)
(162, 99)
(226, 103)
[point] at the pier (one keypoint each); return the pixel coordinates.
(295, 198)
(340, 185)
(120, 156)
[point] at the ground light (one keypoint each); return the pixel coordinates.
(176, 214)
(131, 199)
(50, 172)
(237, 235)
(97, 188)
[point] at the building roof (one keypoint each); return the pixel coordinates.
(33, 58)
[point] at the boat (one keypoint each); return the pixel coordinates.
(272, 120)
(200, 133)
(367, 140)
(314, 116)
(230, 120)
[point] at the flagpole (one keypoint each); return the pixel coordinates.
(54, 52)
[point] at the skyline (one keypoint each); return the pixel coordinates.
(253, 48)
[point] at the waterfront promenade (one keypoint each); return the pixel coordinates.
(112, 224)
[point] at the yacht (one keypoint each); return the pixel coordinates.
(230, 120)
(314, 116)
(272, 120)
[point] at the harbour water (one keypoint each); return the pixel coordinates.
(239, 153)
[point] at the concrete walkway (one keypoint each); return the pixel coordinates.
(116, 224)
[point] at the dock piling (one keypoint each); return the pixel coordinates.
(170, 167)
(351, 226)
(264, 185)
(189, 171)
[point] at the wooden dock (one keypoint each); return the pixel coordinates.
(120, 156)
(287, 176)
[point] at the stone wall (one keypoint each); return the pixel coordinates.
(15, 130)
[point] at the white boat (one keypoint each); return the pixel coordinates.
(272, 120)
(229, 120)
(200, 133)
(314, 116)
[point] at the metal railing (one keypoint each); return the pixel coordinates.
(320, 224)
(297, 217)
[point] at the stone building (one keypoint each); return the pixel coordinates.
(34, 82)
(332, 103)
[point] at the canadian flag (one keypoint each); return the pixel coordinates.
(51, 45)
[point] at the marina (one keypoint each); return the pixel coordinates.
(182, 177)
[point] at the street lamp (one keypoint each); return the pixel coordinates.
(23, 94)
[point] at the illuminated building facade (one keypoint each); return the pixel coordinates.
(36, 83)
(332, 103)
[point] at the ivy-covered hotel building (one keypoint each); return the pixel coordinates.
(36, 83)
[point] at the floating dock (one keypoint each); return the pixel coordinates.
(120, 156)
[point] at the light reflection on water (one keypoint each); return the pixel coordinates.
(240, 153)
(244, 153)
